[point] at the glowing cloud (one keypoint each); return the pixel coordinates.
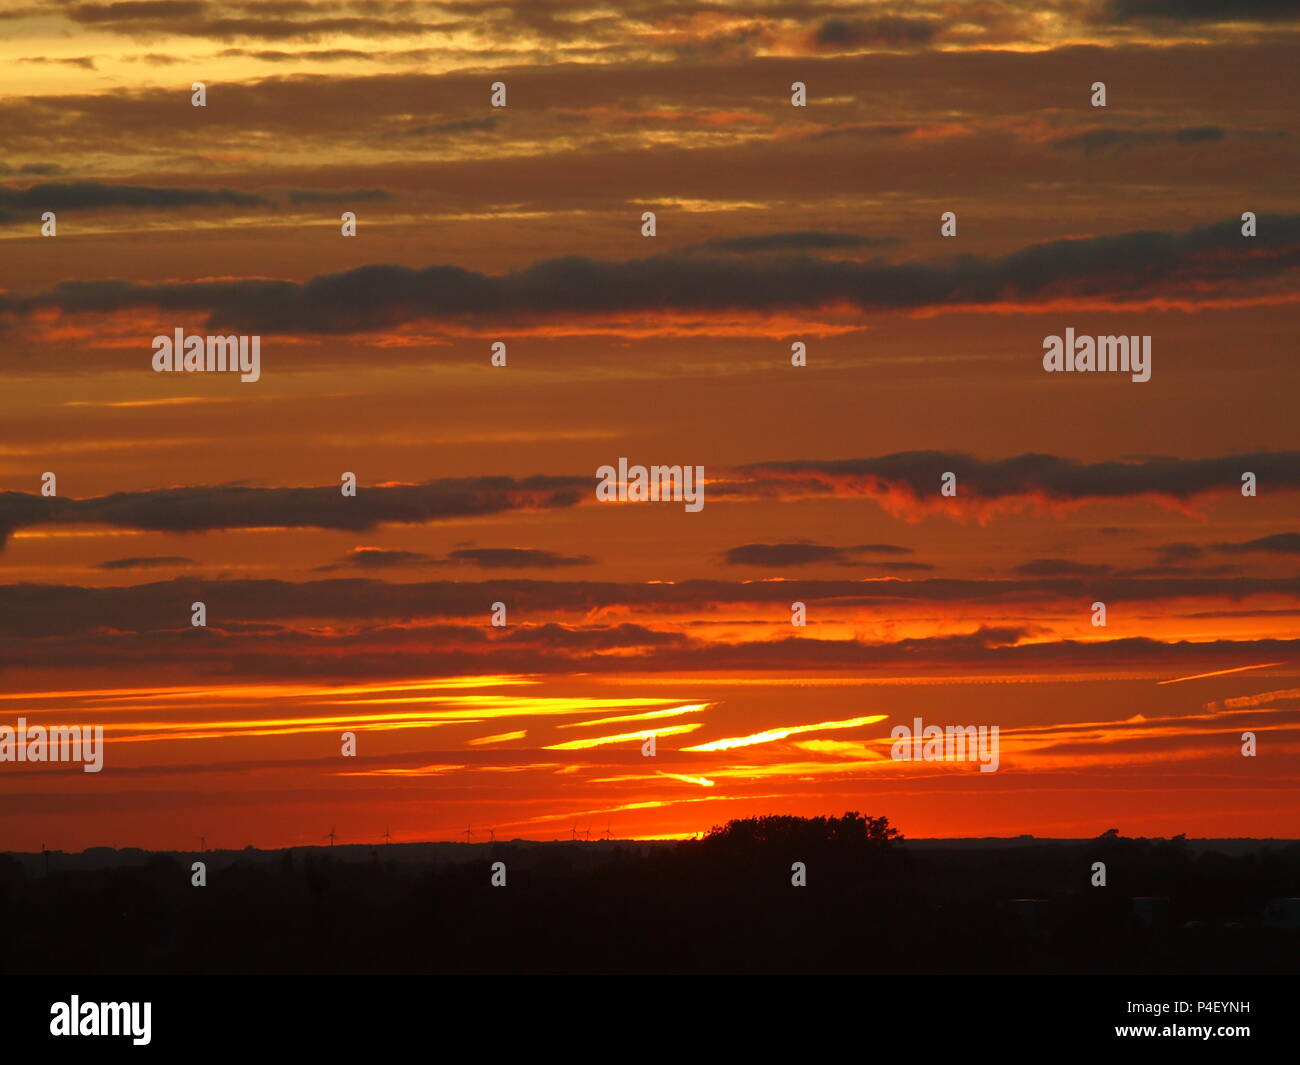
(500, 737)
(604, 741)
(770, 735)
(703, 782)
(674, 711)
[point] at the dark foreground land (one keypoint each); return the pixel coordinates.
(725, 903)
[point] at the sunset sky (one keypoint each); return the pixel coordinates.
(522, 224)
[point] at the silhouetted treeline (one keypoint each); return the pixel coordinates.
(724, 903)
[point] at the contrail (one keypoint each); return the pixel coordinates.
(1218, 673)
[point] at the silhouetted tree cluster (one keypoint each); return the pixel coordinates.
(782, 831)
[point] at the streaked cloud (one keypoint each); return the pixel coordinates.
(623, 737)
(771, 735)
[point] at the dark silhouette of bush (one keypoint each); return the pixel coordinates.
(846, 834)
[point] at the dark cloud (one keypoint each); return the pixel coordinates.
(517, 558)
(1060, 567)
(907, 478)
(379, 558)
(850, 34)
(1279, 544)
(90, 14)
(87, 62)
(1182, 571)
(802, 553)
(1244, 613)
(1203, 10)
(868, 130)
(804, 240)
(147, 562)
(32, 169)
(91, 195)
(1104, 138)
(151, 18)
(321, 55)
(1198, 134)
(200, 509)
(281, 8)
(665, 26)
(1123, 267)
(483, 557)
(339, 55)
(458, 125)
(1178, 552)
(240, 649)
(784, 555)
(336, 196)
(155, 59)
(35, 610)
(914, 476)
(592, 638)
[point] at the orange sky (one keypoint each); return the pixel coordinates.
(476, 484)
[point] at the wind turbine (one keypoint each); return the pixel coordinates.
(588, 835)
(468, 833)
(492, 834)
(573, 832)
(331, 837)
(387, 838)
(203, 844)
(609, 834)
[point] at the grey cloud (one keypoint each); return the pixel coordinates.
(204, 508)
(1125, 266)
(379, 558)
(517, 558)
(1279, 544)
(483, 557)
(336, 196)
(803, 240)
(1047, 478)
(28, 611)
(92, 195)
(803, 553)
(147, 562)
(1103, 138)
(1060, 567)
(849, 34)
(1202, 10)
